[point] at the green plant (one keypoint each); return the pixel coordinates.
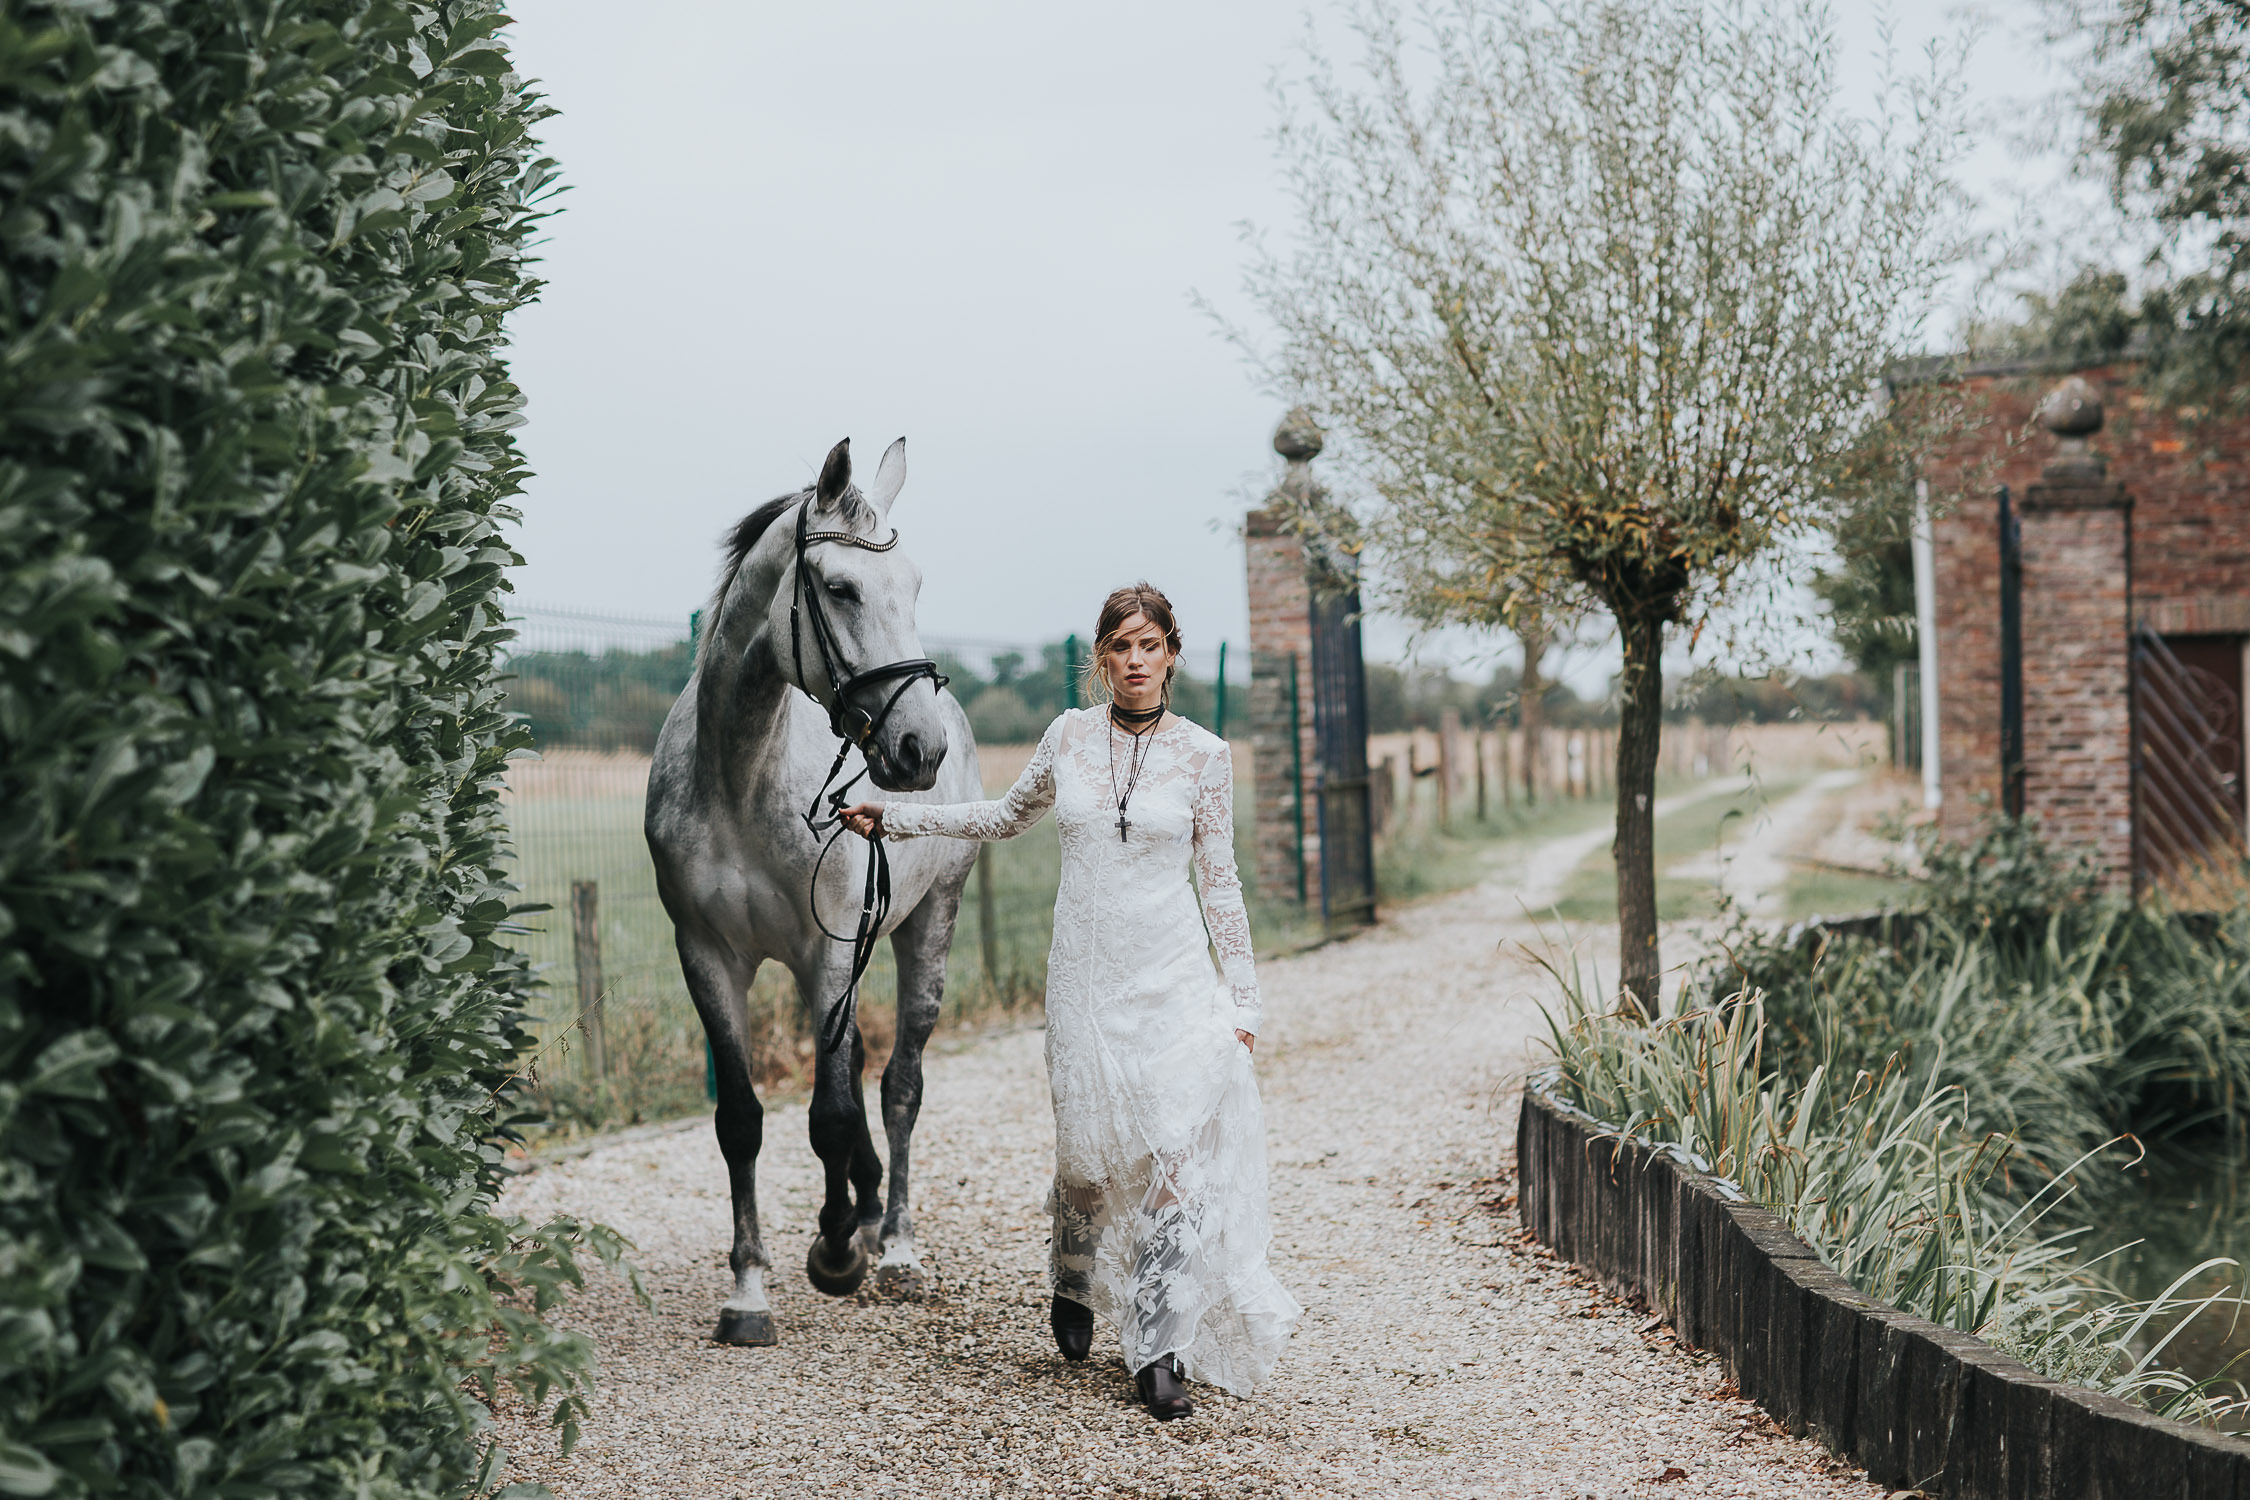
(257, 1010)
(2006, 880)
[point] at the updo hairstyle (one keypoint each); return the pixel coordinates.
(1135, 599)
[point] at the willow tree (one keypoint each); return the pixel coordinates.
(1598, 298)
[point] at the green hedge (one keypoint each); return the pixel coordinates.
(255, 1008)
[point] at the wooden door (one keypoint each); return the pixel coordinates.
(2188, 763)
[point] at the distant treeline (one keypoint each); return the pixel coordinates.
(616, 700)
(1400, 698)
(611, 700)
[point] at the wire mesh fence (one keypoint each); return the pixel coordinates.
(620, 1039)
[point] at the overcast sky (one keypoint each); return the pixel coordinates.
(978, 224)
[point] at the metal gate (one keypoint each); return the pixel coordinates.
(1347, 836)
(2187, 775)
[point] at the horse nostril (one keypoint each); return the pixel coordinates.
(910, 753)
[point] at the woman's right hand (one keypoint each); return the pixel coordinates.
(864, 819)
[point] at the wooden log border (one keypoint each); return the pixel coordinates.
(1920, 1407)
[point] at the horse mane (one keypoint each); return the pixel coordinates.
(743, 537)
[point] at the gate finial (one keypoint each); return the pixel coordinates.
(1298, 438)
(2073, 413)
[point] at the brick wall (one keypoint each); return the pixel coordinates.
(2189, 550)
(2077, 678)
(1281, 632)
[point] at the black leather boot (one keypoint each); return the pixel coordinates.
(1073, 1323)
(1161, 1391)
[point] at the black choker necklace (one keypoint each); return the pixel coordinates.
(1136, 717)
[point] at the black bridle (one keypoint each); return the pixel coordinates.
(852, 726)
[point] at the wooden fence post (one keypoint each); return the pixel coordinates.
(988, 932)
(1444, 775)
(1480, 773)
(586, 948)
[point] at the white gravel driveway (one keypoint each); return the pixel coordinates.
(1440, 1354)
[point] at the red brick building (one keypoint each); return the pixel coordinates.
(2134, 529)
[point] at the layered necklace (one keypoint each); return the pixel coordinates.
(1136, 722)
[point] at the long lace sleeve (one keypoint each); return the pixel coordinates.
(1223, 912)
(1024, 804)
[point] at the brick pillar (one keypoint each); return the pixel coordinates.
(2077, 642)
(1282, 751)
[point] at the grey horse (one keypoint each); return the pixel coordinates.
(739, 763)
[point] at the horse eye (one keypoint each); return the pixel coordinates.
(837, 589)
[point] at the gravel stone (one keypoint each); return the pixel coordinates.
(1442, 1354)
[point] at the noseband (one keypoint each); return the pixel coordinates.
(852, 726)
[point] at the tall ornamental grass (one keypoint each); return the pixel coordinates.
(1921, 1102)
(1884, 1176)
(257, 1018)
(2064, 1016)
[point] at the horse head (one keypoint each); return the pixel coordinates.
(844, 617)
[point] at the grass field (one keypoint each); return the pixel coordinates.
(577, 816)
(1692, 840)
(1835, 893)
(1687, 836)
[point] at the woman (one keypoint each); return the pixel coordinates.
(1159, 1199)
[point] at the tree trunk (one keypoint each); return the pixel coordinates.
(1533, 692)
(1640, 726)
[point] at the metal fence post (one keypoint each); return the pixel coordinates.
(586, 948)
(1219, 693)
(2011, 659)
(1297, 772)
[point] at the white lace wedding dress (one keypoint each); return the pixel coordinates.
(1159, 1200)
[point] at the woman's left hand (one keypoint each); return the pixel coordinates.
(1249, 1042)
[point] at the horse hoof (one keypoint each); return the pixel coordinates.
(753, 1330)
(837, 1279)
(906, 1282)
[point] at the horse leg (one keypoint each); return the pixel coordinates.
(866, 1170)
(837, 1261)
(918, 948)
(720, 990)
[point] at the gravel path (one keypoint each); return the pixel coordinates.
(1441, 1355)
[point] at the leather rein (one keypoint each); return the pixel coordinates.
(854, 728)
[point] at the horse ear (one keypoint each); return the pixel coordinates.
(835, 476)
(890, 477)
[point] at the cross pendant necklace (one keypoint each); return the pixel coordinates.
(1133, 776)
